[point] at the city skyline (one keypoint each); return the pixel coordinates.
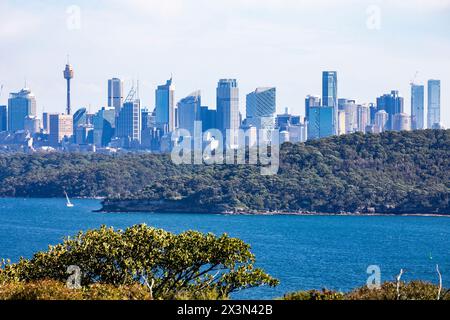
(369, 62)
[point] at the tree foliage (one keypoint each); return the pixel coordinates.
(169, 264)
(393, 172)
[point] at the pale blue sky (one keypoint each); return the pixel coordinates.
(282, 43)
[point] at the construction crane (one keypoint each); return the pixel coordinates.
(131, 95)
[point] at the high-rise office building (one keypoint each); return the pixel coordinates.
(329, 95)
(79, 119)
(84, 134)
(311, 101)
(392, 103)
(20, 105)
(320, 124)
(104, 126)
(434, 103)
(129, 121)
(115, 94)
(349, 107)
(32, 124)
(261, 108)
(61, 127)
(3, 118)
(341, 121)
(417, 107)
(298, 133)
(165, 108)
(261, 103)
(402, 122)
(189, 111)
(363, 117)
(208, 118)
(228, 117)
(145, 118)
(285, 120)
(372, 110)
(46, 122)
(381, 120)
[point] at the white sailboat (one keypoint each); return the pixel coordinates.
(68, 204)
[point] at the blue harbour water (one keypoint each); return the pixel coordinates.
(304, 252)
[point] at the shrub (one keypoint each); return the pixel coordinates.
(415, 290)
(314, 295)
(191, 262)
(56, 290)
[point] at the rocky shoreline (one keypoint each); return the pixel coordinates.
(162, 206)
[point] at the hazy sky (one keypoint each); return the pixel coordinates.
(375, 46)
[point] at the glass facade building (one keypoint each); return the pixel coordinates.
(165, 109)
(3, 118)
(129, 121)
(228, 117)
(329, 95)
(393, 104)
(434, 103)
(20, 105)
(189, 111)
(417, 107)
(261, 108)
(311, 101)
(115, 94)
(104, 126)
(79, 119)
(320, 124)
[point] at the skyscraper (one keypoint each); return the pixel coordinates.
(20, 105)
(32, 124)
(61, 127)
(402, 122)
(392, 103)
(329, 95)
(189, 111)
(228, 108)
(351, 116)
(311, 101)
(381, 120)
(261, 103)
(79, 119)
(3, 118)
(115, 94)
(68, 75)
(320, 123)
(208, 117)
(286, 120)
(104, 126)
(434, 103)
(165, 109)
(363, 117)
(261, 108)
(417, 106)
(46, 122)
(341, 121)
(129, 121)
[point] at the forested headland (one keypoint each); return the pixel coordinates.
(393, 172)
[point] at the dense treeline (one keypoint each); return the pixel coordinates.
(393, 172)
(81, 175)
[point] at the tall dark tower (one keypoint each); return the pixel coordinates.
(68, 74)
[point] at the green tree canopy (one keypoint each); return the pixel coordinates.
(167, 263)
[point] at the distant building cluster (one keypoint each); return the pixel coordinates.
(124, 124)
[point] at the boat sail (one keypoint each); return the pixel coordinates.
(68, 204)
